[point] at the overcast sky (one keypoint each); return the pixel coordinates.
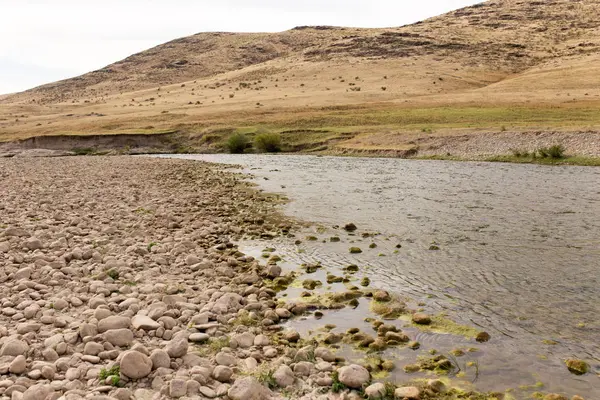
(43, 41)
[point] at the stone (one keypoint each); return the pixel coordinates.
(436, 385)
(408, 392)
(177, 348)
(396, 337)
(248, 389)
(144, 322)
(60, 304)
(113, 322)
(303, 368)
(262, 340)
(93, 348)
(86, 329)
(223, 358)
(555, 396)
(122, 394)
(244, 340)
(23, 273)
(577, 367)
(325, 354)
(198, 337)
(119, 337)
(160, 359)
(37, 392)
(28, 327)
(273, 271)
(33, 243)
(143, 394)
(135, 365)
(381, 295)
(421, 319)
(483, 337)
(18, 365)
(354, 376)
(207, 392)
(177, 388)
(350, 227)
(54, 340)
(284, 376)
(375, 391)
(291, 336)
(14, 348)
(222, 373)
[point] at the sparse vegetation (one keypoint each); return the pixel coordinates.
(556, 151)
(237, 143)
(268, 142)
(265, 376)
(113, 273)
(113, 373)
(336, 385)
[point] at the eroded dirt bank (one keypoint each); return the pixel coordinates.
(579, 147)
(120, 279)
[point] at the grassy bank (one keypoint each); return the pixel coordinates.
(571, 160)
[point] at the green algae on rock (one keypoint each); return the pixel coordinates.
(577, 367)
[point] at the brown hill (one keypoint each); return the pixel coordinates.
(517, 65)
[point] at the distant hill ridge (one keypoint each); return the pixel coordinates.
(508, 36)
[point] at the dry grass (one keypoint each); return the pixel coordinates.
(490, 68)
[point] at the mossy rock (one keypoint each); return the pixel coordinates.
(351, 227)
(577, 367)
(334, 239)
(457, 352)
(411, 368)
(388, 365)
(274, 259)
(351, 268)
(378, 345)
(355, 250)
(381, 296)
(365, 281)
(311, 268)
(311, 284)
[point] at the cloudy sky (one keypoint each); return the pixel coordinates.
(46, 40)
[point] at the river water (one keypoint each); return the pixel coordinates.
(519, 250)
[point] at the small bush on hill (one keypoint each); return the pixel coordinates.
(237, 143)
(268, 142)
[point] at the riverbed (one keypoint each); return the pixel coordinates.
(511, 249)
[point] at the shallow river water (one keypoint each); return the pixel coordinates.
(519, 250)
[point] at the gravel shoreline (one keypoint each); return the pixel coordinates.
(120, 279)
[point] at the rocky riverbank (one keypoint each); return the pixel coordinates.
(121, 279)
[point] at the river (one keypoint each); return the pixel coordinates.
(519, 249)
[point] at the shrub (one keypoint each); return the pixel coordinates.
(520, 153)
(237, 143)
(268, 142)
(557, 151)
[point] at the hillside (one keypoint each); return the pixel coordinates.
(500, 66)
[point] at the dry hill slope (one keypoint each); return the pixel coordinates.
(509, 66)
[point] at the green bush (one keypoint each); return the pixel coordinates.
(557, 151)
(237, 143)
(268, 142)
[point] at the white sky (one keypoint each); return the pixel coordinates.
(43, 41)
